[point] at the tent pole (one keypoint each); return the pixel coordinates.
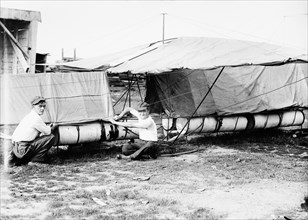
(139, 89)
(130, 86)
(164, 27)
(128, 92)
(199, 104)
(125, 101)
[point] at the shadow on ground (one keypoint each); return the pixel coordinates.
(294, 144)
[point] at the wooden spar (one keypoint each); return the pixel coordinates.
(14, 40)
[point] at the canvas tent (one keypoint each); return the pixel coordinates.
(73, 97)
(208, 53)
(237, 77)
(185, 77)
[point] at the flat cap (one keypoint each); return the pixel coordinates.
(142, 106)
(37, 99)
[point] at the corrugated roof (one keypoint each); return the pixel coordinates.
(17, 14)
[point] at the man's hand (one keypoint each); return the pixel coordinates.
(117, 117)
(53, 127)
(112, 121)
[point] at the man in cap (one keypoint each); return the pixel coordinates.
(146, 146)
(32, 138)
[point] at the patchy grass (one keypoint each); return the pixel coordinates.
(182, 187)
(201, 214)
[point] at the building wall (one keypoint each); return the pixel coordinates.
(24, 30)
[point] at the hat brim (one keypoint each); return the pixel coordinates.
(141, 109)
(35, 102)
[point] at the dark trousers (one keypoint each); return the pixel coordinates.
(138, 151)
(35, 151)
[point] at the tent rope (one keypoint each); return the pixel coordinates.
(127, 90)
(130, 80)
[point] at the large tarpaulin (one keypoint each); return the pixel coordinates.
(238, 90)
(71, 97)
(208, 53)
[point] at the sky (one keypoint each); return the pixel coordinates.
(97, 28)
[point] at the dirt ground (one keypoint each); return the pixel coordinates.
(240, 176)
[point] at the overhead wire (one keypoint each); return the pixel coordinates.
(226, 35)
(205, 25)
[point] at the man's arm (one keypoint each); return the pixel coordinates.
(144, 125)
(40, 125)
(124, 112)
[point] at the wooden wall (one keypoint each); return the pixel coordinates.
(25, 32)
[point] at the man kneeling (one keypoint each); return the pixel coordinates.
(32, 138)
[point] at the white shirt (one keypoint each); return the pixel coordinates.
(146, 134)
(30, 127)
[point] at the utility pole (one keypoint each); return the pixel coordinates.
(164, 27)
(75, 55)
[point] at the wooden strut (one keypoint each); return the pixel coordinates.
(14, 40)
